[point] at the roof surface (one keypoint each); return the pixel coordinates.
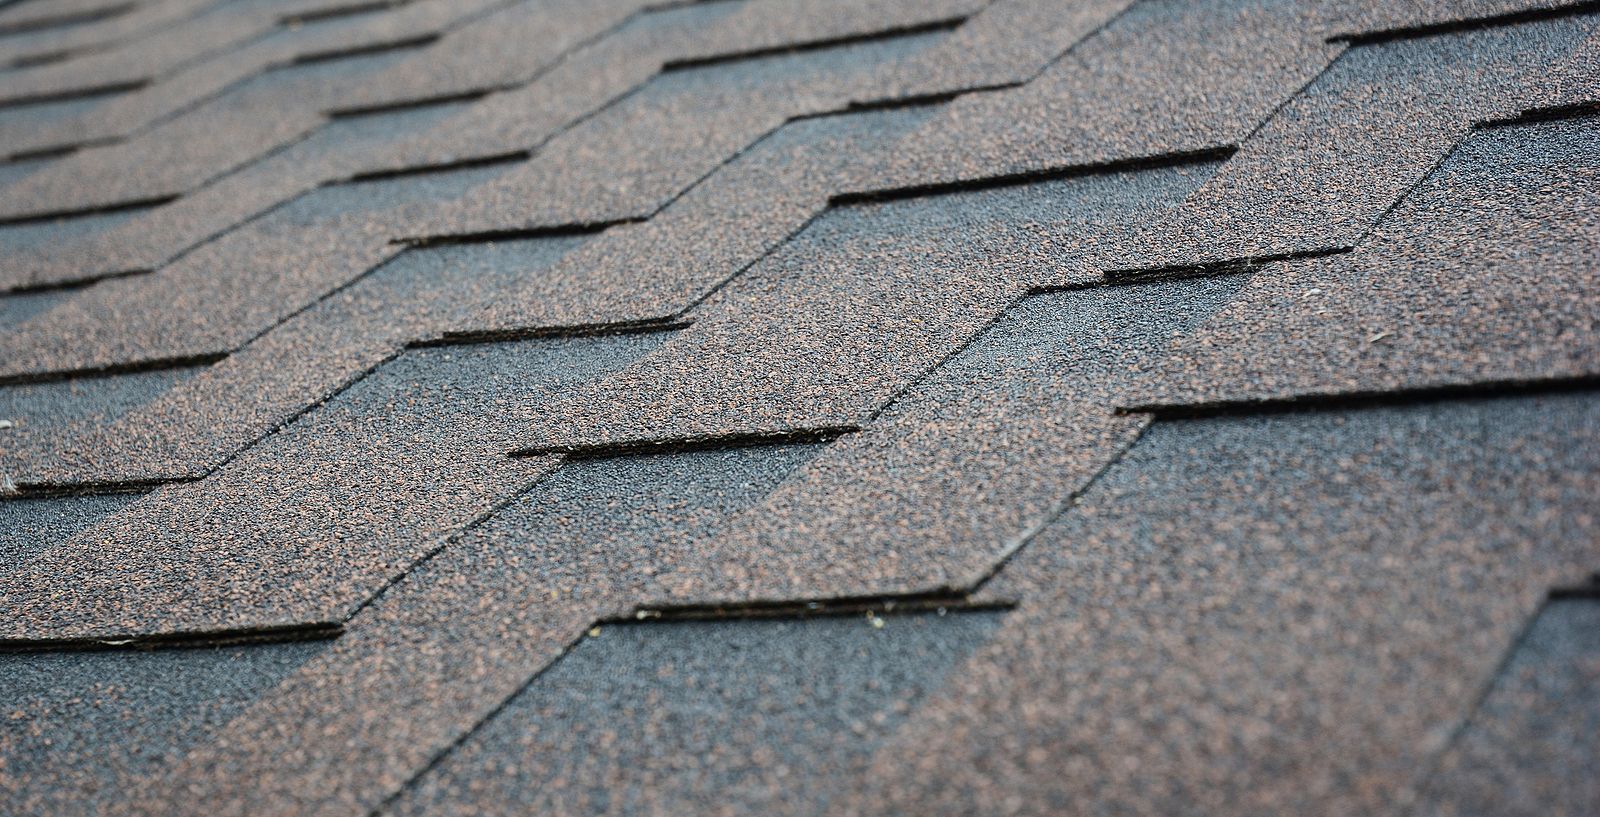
(812, 407)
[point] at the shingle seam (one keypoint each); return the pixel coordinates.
(723, 58)
(688, 444)
(387, 802)
(151, 364)
(93, 210)
(1020, 542)
(110, 88)
(1135, 163)
(366, 49)
(737, 614)
(313, 631)
(805, 608)
(336, 12)
(1466, 24)
(66, 19)
(1434, 756)
(1230, 266)
(1341, 400)
(54, 490)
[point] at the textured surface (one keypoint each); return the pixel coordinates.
(80, 727)
(705, 717)
(454, 639)
(1284, 614)
(1530, 746)
(1485, 273)
(1223, 369)
(431, 426)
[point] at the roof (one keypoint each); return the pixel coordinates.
(857, 407)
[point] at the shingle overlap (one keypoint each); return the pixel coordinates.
(842, 407)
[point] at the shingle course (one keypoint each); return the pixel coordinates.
(1224, 371)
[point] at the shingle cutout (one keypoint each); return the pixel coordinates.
(1245, 614)
(702, 717)
(463, 633)
(30, 526)
(905, 284)
(1530, 747)
(967, 462)
(1483, 275)
(431, 427)
(79, 729)
(55, 406)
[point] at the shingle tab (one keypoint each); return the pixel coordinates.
(1243, 351)
(1530, 746)
(80, 728)
(432, 426)
(1483, 275)
(1246, 614)
(444, 647)
(752, 717)
(905, 285)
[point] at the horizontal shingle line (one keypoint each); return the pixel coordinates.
(935, 601)
(688, 63)
(1333, 401)
(417, 41)
(1232, 266)
(509, 157)
(581, 228)
(680, 445)
(314, 631)
(96, 210)
(1213, 154)
(358, 111)
(1553, 113)
(49, 490)
(1465, 24)
(65, 19)
(472, 336)
(152, 364)
(112, 88)
(336, 12)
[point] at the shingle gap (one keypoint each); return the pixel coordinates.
(338, 12)
(65, 19)
(1214, 154)
(582, 228)
(82, 212)
(49, 490)
(153, 364)
(332, 55)
(107, 89)
(939, 601)
(315, 631)
(1317, 402)
(1232, 266)
(682, 445)
(469, 337)
(1554, 113)
(689, 63)
(1465, 24)
(409, 104)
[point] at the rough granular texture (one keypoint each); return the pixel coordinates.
(1224, 370)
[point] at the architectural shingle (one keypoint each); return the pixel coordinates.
(813, 407)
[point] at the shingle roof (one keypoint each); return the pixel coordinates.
(858, 407)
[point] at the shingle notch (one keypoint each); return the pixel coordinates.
(754, 715)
